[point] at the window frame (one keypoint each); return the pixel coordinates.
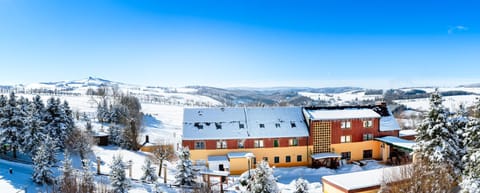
(288, 159)
(346, 124)
(346, 155)
(299, 158)
(371, 154)
(343, 139)
(293, 142)
(200, 142)
(222, 144)
(258, 143)
(368, 123)
(276, 159)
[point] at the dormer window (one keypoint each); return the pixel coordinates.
(292, 124)
(262, 125)
(241, 125)
(198, 125)
(218, 125)
(277, 125)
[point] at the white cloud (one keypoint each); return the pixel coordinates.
(458, 28)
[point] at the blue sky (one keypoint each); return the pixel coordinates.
(375, 44)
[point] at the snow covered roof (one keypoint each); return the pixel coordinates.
(325, 155)
(398, 142)
(243, 123)
(364, 179)
(240, 154)
(219, 158)
(408, 132)
(335, 114)
(389, 123)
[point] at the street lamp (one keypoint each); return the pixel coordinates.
(249, 157)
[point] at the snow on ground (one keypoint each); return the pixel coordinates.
(340, 98)
(451, 102)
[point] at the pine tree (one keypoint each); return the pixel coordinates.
(3, 104)
(471, 159)
(87, 183)
(34, 131)
(301, 186)
(68, 118)
(148, 172)
(43, 161)
(437, 140)
(67, 180)
(12, 122)
(55, 120)
(262, 180)
(184, 174)
(118, 179)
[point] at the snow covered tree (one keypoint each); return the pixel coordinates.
(471, 159)
(34, 131)
(54, 121)
(80, 142)
(148, 172)
(87, 183)
(43, 161)
(184, 174)
(437, 140)
(118, 179)
(67, 180)
(12, 122)
(262, 180)
(301, 186)
(68, 119)
(162, 153)
(130, 136)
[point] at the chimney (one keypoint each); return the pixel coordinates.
(146, 139)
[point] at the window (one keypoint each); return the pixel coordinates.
(275, 143)
(346, 155)
(254, 161)
(346, 125)
(293, 142)
(198, 125)
(367, 123)
(367, 136)
(346, 139)
(277, 125)
(262, 125)
(222, 144)
(265, 159)
(276, 159)
(241, 144)
(288, 159)
(258, 143)
(367, 154)
(241, 125)
(292, 124)
(299, 158)
(218, 125)
(199, 145)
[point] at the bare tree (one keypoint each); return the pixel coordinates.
(161, 153)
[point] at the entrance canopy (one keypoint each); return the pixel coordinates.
(325, 156)
(397, 142)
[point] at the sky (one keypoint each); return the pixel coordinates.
(247, 43)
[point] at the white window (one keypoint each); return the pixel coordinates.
(221, 144)
(346, 125)
(241, 143)
(277, 125)
(367, 123)
(293, 142)
(199, 145)
(258, 143)
(346, 139)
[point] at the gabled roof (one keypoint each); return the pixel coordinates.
(243, 123)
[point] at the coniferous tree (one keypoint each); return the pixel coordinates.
(471, 140)
(34, 131)
(262, 180)
(87, 181)
(118, 179)
(184, 174)
(148, 172)
(3, 104)
(301, 186)
(12, 123)
(437, 140)
(43, 161)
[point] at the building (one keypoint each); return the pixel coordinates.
(368, 181)
(234, 139)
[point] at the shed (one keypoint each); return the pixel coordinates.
(101, 138)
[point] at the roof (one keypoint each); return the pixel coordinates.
(243, 123)
(407, 132)
(240, 154)
(219, 158)
(325, 155)
(364, 179)
(398, 142)
(336, 114)
(389, 123)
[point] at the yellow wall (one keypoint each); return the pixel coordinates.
(238, 165)
(259, 153)
(371, 191)
(356, 149)
(327, 188)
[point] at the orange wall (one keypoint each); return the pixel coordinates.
(356, 149)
